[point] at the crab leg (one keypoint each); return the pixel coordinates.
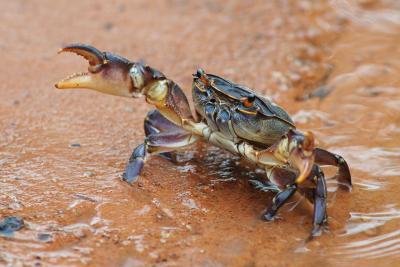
(343, 176)
(320, 195)
(278, 201)
(135, 164)
(161, 136)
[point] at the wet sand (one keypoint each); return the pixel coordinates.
(333, 65)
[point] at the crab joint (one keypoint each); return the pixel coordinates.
(156, 93)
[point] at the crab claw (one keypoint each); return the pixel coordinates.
(301, 153)
(107, 73)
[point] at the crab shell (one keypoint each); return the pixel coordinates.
(238, 112)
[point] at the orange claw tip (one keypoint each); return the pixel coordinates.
(309, 140)
(309, 135)
(57, 86)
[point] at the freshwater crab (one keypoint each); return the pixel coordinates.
(228, 115)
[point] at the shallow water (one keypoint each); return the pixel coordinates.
(333, 65)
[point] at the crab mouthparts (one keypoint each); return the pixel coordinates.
(96, 60)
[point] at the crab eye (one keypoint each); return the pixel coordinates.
(199, 73)
(248, 101)
(251, 98)
(136, 76)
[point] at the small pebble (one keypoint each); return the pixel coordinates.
(129, 109)
(45, 237)
(79, 233)
(126, 242)
(75, 145)
(89, 174)
(15, 206)
(11, 224)
(108, 26)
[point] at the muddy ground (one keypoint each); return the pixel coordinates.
(334, 65)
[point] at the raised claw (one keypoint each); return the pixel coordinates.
(95, 57)
(107, 72)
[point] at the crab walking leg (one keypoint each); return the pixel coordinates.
(320, 196)
(157, 143)
(155, 122)
(343, 176)
(135, 164)
(278, 201)
(161, 136)
(281, 177)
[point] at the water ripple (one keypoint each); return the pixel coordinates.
(376, 247)
(387, 244)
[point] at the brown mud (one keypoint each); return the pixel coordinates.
(333, 65)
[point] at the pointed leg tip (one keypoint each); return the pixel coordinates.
(132, 171)
(317, 231)
(314, 234)
(130, 179)
(268, 217)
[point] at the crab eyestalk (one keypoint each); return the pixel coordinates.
(108, 73)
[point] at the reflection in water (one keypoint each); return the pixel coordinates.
(377, 247)
(369, 185)
(372, 223)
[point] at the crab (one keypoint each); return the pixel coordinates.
(227, 115)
